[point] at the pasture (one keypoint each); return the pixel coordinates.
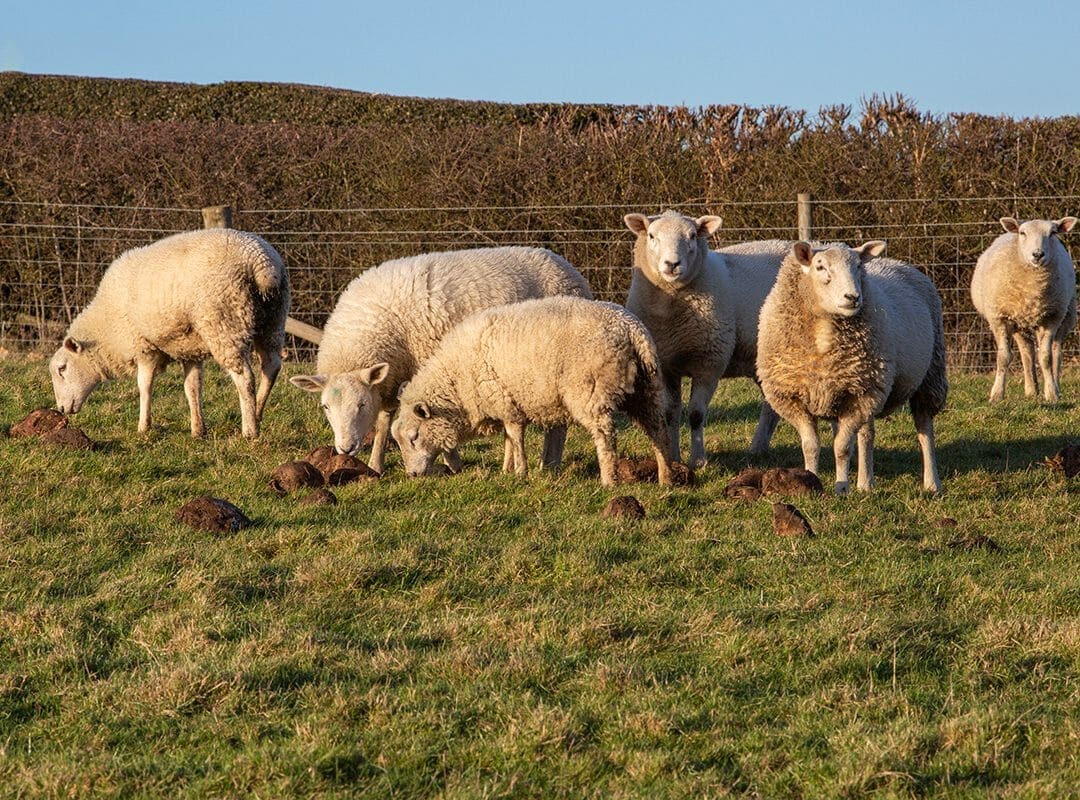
(483, 636)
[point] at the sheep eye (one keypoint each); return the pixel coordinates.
(1023, 233)
(324, 406)
(651, 236)
(61, 369)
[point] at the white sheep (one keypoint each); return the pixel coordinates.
(847, 336)
(216, 293)
(701, 307)
(550, 362)
(1024, 285)
(390, 318)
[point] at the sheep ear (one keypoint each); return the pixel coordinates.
(708, 225)
(1065, 224)
(309, 383)
(1009, 224)
(637, 223)
(74, 345)
(375, 374)
(803, 254)
(421, 410)
(871, 249)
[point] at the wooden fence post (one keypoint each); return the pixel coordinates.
(217, 217)
(806, 216)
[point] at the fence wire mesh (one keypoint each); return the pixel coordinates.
(52, 255)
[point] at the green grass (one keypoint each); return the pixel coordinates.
(481, 636)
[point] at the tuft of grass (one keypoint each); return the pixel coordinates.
(481, 635)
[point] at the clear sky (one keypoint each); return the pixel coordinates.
(985, 56)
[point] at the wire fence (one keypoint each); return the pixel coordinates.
(52, 255)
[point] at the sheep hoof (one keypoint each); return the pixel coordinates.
(842, 489)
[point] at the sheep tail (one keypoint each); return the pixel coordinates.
(268, 273)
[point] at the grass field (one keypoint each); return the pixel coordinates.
(481, 636)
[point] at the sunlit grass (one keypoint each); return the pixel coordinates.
(483, 636)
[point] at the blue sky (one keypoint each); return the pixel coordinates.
(984, 56)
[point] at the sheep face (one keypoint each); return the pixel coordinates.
(674, 245)
(349, 402)
(423, 431)
(74, 375)
(835, 274)
(1034, 238)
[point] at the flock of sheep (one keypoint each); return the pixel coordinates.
(471, 342)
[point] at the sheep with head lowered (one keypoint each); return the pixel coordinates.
(216, 293)
(849, 336)
(550, 361)
(701, 307)
(1024, 285)
(389, 320)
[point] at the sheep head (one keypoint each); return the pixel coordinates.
(424, 428)
(671, 247)
(75, 372)
(349, 401)
(1034, 237)
(835, 274)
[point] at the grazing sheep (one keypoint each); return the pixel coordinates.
(1024, 285)
(220, 293)
(701, 307)
(389, 320)
(549, 361)
(848, 336)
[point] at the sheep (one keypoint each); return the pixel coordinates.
(390, 318)
(850, 336)
(701, 307)
(219, 292)
(1024, 285)
(548, 361)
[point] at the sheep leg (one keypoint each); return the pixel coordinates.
(924, 427)
(766, 427)
(650, 418)
(806, 426)
(269, 367)
(554, 445)
(377, 459)
(671, 415)
(603, 434)
(1026, 348)
(193, 378)
(514, 437)
(701, 392)
(1046, 355)
(244, 379)
(146, 371)
(1004, 356)
(846, 430)
(865, 479)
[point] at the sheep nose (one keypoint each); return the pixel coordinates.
(671, 264)
(1038, 255)
(853, 299)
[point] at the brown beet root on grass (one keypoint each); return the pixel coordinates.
(751, 483)
(746, 485)
(212, 514)
(353, 468)
(320, 455)
(626, 507)
(784, 481)
(38, 422)
(293, 475)
(71, 438)
(1066, 460)
(320, 497)
(643, 470)
(789, 521)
